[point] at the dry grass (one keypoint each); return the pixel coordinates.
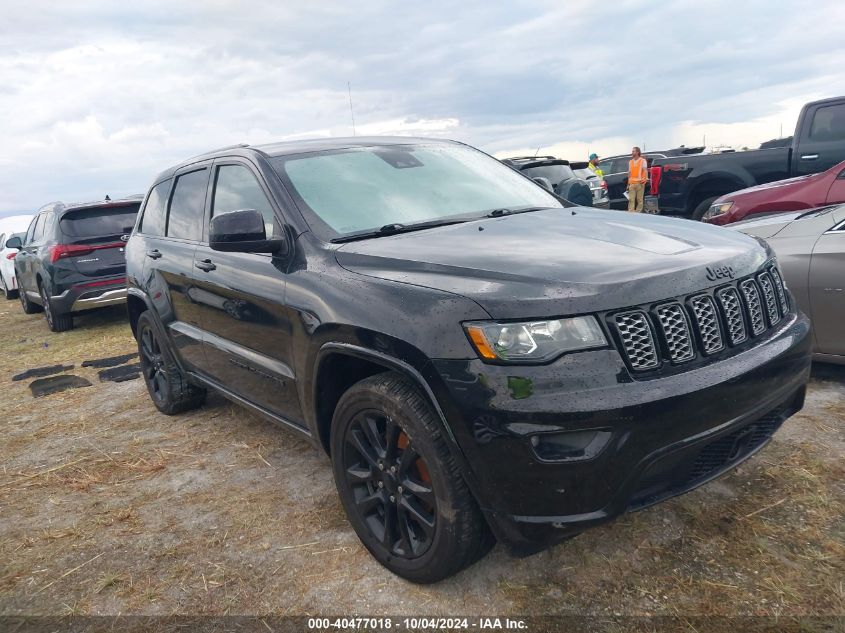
(107, 506)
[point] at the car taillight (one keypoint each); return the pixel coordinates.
(604, 184)
(11, 255)
(656, 174)
(61, 251)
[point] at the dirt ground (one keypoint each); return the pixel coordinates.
(107, 507)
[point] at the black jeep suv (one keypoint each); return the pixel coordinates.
(480, 359)
(72, 258)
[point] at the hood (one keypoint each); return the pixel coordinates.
(558, 261)
(783, 185)
(766, 226)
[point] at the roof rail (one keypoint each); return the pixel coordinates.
(220, 149)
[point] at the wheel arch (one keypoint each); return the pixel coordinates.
(714, 185)
(136, 305)
(358, 363)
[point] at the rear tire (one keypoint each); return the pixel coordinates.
(27, 305)
(702, 207)
(10, 294)
(169, 388)
(56, 321)
(399, 484)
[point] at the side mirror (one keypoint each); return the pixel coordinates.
(243, 232)
(14, 242)
(545, 183)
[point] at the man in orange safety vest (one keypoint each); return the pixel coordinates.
(637, 179)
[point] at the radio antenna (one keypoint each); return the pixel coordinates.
(351, 111)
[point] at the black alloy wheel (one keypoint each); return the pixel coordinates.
(390, 484)
(399, 482)
(152, 365)
(169, 389)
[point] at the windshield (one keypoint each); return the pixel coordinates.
(359, 189)
(555, 174)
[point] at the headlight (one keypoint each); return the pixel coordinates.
(718, 209)
(534, 341)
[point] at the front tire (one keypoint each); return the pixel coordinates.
(169, 389)
(399, 484)
(56, 321)
(701, 209)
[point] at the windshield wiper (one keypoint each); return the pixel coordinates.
(394, 229)
(497, 213)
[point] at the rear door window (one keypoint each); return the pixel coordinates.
(88, 224)
(155, 211)
(187, 206)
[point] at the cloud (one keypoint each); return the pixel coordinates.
(98, 97)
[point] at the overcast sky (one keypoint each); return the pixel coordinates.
(97, 97)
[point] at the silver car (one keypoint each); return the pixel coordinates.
(810, 247)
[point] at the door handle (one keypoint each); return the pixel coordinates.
(207, 265)
(154, 253)
(809, 156)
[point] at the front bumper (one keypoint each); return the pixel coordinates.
(667, 435)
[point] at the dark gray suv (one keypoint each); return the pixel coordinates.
(72, 258)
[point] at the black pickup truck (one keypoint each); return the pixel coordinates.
(688, 186)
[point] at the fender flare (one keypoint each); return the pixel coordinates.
(389, 362)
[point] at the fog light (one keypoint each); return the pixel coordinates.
(571, 446)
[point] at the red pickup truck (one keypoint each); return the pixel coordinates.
(793, 194)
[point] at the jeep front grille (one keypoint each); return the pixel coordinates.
(702, 324)
(752, 303)
(676, 332)
(704, 313)
(768, 288)
(732, 309)
(780, 289)
(637, 340)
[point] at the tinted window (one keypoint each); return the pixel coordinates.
(555, 174)
(39, 227)
(30, 232)
(620, 165)
(153, 220)
(829, 123)
(102, 222)
(236, 188)
(187, 205)
(360, 189)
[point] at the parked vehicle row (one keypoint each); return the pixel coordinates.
(481, 358)
(689, 185)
